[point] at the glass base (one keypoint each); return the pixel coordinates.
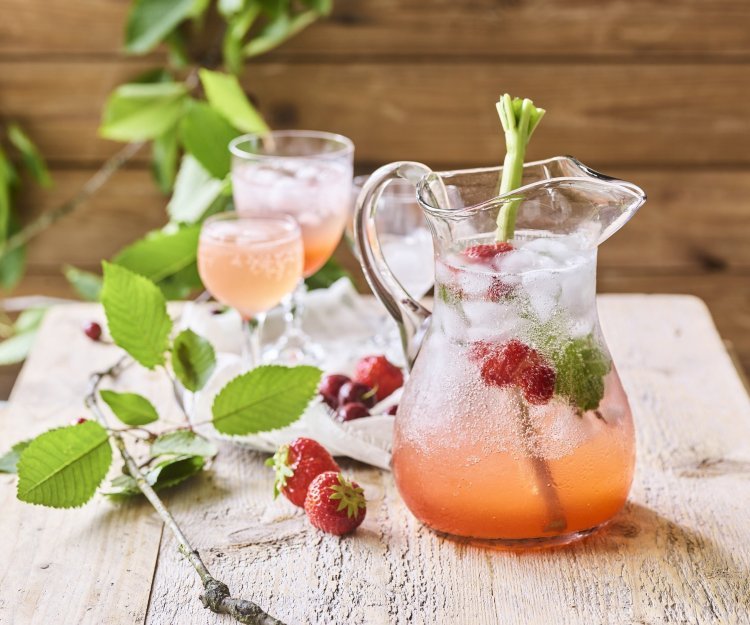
(523, 544)
(295, 349)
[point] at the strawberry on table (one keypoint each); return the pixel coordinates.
(334, 504)
(296, 465)
(380, 374)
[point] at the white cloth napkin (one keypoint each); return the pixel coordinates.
(343, 322)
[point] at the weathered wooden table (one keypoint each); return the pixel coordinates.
(678, 553)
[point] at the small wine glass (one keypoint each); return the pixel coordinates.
(308, 175)
(250, 263)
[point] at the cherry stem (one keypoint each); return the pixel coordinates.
(216, 596)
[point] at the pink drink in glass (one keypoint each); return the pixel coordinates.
(316, 193)
(250, 264)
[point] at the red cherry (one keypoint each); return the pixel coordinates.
(79, 420)
(356, 392)
(352, 410)
(93, 330)
(330, 386)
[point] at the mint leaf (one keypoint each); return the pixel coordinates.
(224, 93)
(142, 111)
(130, 408)
(88, 285)
(29, 320)
(581, 366)
(206, 135)
(194, 192)
(62, 468)
(264, 399)
(193, 360)
(183, 442)
(150, 21)
(136, 315)
(9, 460)
(30, 155)
(167, 473)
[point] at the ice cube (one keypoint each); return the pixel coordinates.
(543, 290)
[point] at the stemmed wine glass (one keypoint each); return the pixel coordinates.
(307, 175)
(250, 263)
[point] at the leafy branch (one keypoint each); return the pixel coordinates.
(64, 467)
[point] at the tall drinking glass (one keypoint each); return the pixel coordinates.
(250, 264)
(307, 175)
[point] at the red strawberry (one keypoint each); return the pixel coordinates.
(380, 374)
(297, 465)
(538, 382)
(515, 363)
(335, 504)
(487, 251)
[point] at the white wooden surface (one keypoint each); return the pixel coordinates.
(678, 554)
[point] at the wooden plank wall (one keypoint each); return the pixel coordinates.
(655, 92)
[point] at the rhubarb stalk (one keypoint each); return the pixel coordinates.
(519, 118)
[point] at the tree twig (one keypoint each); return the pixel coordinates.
(90, 187)
(216, 596)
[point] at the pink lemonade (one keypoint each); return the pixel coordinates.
(315, 192)
(250, 264)
(514, 425)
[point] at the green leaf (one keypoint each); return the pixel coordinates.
(581, 366)
(88, 285)
(29, 320)
(206, 135)
(178, 53)
(13, 263)
(193, 360)
(167, 473)
(62, 468)
(230, 7)
(141, 111)
(30, 155)
(278, 31)
(238, 26)
(194, 192)
(183, 442)
(225, 95)
(136, 315)
(323, 7)
(9, 460)
(165, 151)
(160, 255)
(130, 408)
(8, 179)
(150, 21)
(327, 275)
(16, 348)
(267, 398)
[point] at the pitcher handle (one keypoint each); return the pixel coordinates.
(412, 318)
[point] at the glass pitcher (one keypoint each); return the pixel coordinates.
(513, 427)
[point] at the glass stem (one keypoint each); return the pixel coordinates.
(252, 330)
(294, 309)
